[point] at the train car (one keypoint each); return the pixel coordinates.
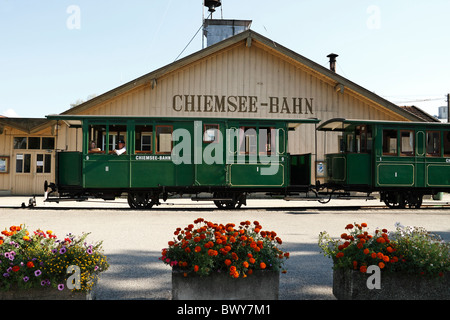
(403, 161)
(153, 158)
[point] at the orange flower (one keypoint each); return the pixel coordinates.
(262, 265)
(30, 264)
(363, 269)
(364, 225)
(381, 265)
(198, 249)
(245, 264)
(252, 260)
(366, 251)
(195, 268)
(227, 262)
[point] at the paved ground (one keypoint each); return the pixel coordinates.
(133, 239)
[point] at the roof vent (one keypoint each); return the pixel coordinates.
(332, 57)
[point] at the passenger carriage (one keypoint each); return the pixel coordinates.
(402, 160)
(226, 158)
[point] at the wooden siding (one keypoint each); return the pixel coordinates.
(256, 71)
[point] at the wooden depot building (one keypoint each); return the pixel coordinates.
(240, 74)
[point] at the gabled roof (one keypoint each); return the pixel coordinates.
(420, 113)
(27, 125)
(248, 36)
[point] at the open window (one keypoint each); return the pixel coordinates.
(267, 140)
(433, 144)
(211, 133)
(407, 143)
(164, 139)
(247, 140)
(390, 142)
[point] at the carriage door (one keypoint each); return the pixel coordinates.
(209, 156)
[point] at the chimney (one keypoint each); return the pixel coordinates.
(332, 57)
(216, 30)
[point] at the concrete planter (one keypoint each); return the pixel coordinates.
(261, 285)
(352, 285)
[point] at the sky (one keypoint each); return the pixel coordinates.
(56, 52)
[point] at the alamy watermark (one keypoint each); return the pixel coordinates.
(74, 19)
(373, 22)
(240, 147)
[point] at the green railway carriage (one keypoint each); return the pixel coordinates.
(402, 160)
(227, 158)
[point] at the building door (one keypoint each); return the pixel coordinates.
(32, 163)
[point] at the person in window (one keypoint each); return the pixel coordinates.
(122, 149)
(93, 148)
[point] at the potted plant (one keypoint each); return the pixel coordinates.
(408, 263)
(38, 265)
(212, 261)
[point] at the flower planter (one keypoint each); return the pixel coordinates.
(45, 294)
(352, 285)
(261, 285)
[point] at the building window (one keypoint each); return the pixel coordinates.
(20, 143)
(34, 143)
(390, 142)
(164, 139)
(43, 163)
(48, 143)
(433, 143)
(407, 143)
(23, 163)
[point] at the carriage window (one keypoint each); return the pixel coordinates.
(211, 133)
(363, 141)
(144, 135)
(407, 143)
(433, 143)
(390, 142)
(447, 143)
(164, 139)
(116, 133)
(247, 140)
(267, 138)
(96, 133)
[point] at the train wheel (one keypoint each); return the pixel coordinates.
(228, 200)
(140, 200)
(394, 200)
(415, 200)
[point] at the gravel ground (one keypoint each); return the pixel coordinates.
(133, 240)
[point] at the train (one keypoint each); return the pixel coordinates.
(151, 159)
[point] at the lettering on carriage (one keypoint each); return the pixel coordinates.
(157, 158)
(241, 104)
